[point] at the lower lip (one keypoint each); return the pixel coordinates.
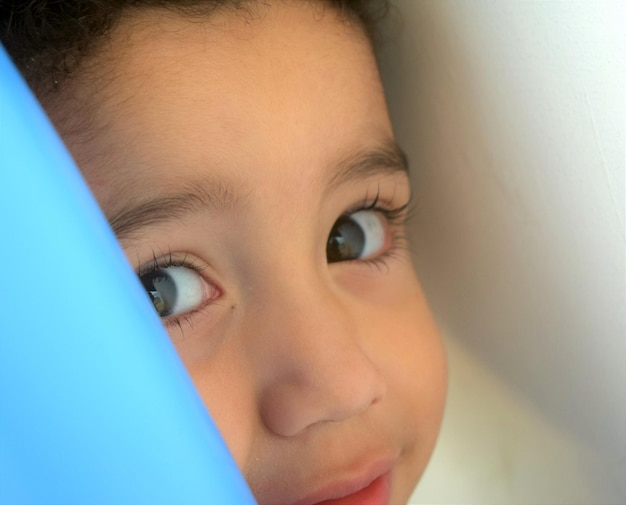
(376, 493)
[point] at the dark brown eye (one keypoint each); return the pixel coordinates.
(356, 236)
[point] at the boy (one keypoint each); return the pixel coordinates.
(243, 154)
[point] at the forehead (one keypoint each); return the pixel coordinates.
(283, 86)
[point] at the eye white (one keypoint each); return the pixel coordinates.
(176, 290)
(190, 289)
(374, 231)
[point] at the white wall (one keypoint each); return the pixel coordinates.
(513, 114)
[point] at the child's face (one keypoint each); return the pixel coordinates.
(249, 168)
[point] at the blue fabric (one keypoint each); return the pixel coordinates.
(95, 405)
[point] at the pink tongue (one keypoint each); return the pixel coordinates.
(377, 493)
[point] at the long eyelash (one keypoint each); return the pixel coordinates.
(397, 217)
(399, 245)
(165, 261)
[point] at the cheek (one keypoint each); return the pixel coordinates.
(402, 338)
(228, 397)
(405, 344)
(411, 354)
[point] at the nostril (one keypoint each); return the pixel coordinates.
(333, 394)
(380, 389)
(286, 410)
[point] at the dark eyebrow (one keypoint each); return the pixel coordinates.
(385, 160)
(211, 194)
(221, 194)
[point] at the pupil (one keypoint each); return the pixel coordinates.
(162, 291)
(345, 242)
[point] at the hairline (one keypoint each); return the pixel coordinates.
(49, 85)
(78, 125)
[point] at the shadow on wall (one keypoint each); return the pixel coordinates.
(512, 114)
(496, 447)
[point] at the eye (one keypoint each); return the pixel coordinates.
(175, 290)
(356, 236)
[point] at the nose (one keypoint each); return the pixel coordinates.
(315, 367)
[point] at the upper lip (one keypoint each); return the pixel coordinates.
(349, 483)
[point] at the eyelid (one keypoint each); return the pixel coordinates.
(170, 259)
(396, 214)
(187, 261)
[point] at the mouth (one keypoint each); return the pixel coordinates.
(375, 493)
(374, 488)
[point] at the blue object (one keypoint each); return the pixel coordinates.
(95, 405)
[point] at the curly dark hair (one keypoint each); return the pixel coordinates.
(48, 39)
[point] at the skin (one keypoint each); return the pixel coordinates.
(316, 373)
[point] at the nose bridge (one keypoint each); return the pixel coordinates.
(314, 366)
